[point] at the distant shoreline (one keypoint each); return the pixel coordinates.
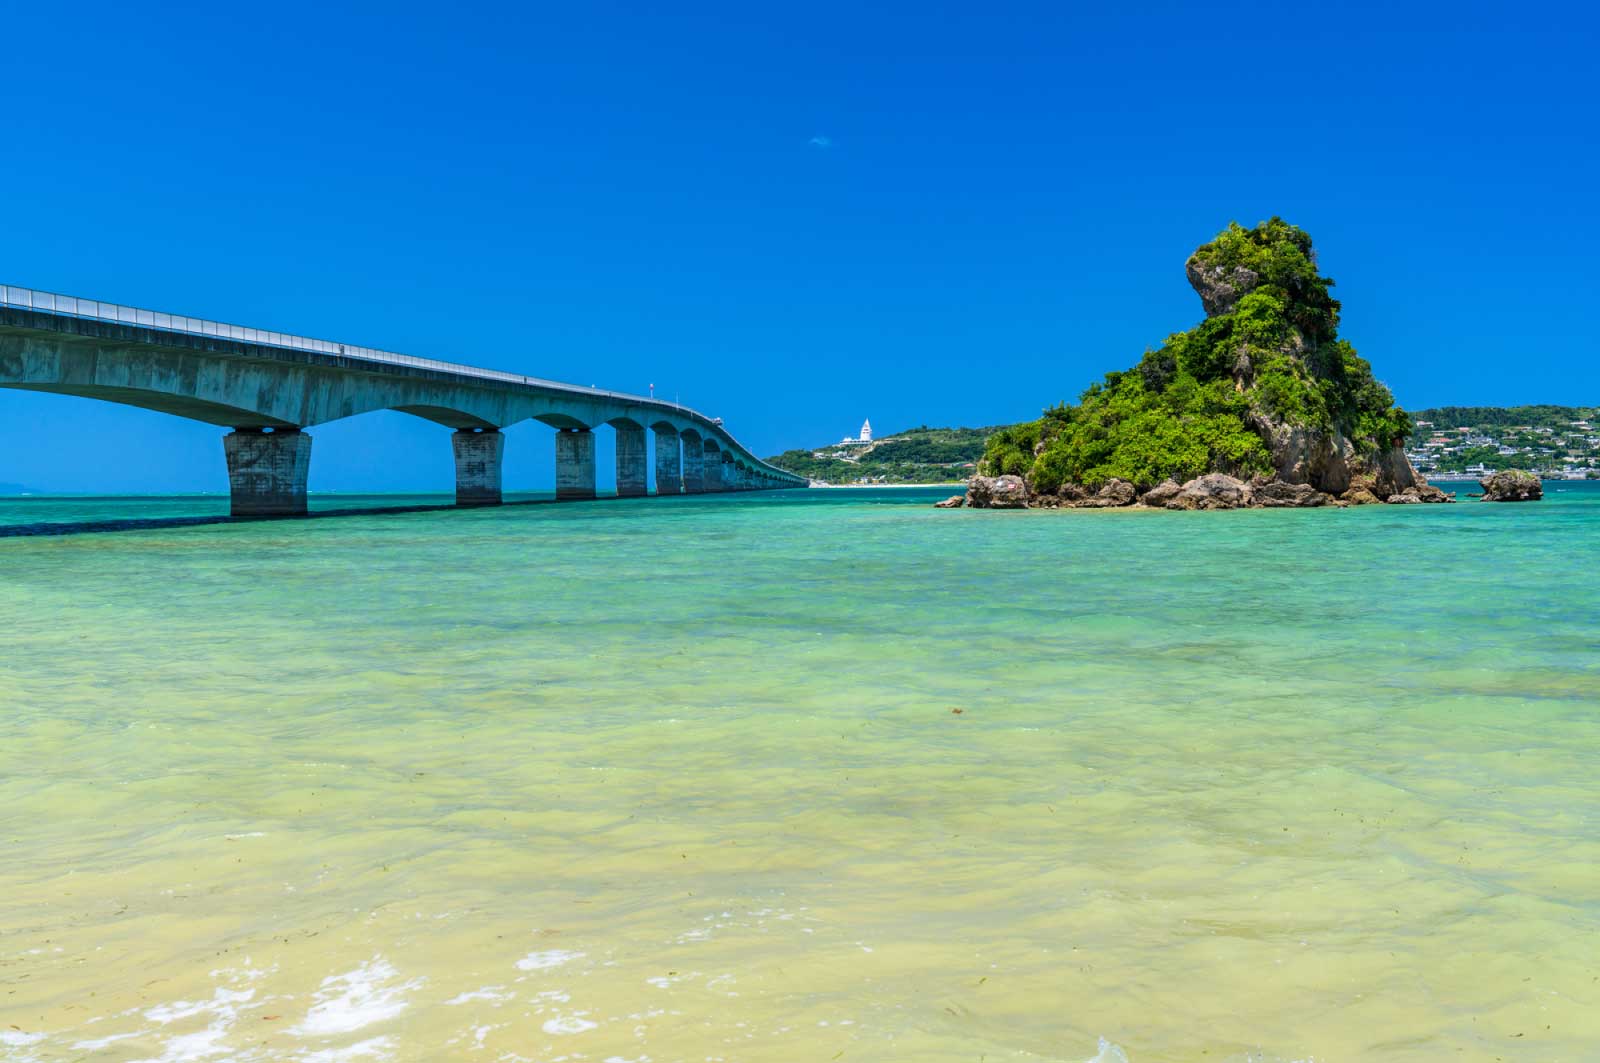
(881, 487)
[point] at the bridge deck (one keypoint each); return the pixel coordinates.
(113, 323)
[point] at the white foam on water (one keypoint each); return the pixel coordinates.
(553, 995)
(222, 1010)
(356, 999)
(494, 994)
(541, 961)
(101, 1042)
(1109, 1053)
(222, 1002)
(202, 1044)
(568, 1024)
(371, 1048)
(18, 1039)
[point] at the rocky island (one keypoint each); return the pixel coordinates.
(1512, 485)
(1261, 404)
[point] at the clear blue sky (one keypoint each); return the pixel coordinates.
(792, 218)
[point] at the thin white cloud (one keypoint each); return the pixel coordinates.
(820, 142)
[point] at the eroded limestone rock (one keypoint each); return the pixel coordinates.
(1161, 494)
(997, 492)
(1275, 494)
(1114, 494)
(1512, 485)
(1214, 490)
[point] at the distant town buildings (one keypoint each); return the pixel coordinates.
(1567, 451)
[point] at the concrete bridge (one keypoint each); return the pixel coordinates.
(268, 387)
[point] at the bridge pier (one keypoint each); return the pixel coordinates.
(267, 471)
(711, 471)
(669, 463)
(574, 464)
(693, 465)
(633, 473)
(479, 458)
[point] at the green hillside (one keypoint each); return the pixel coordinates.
(920, 455)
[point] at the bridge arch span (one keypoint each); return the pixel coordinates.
(268, 386)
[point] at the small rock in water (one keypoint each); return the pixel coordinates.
(953, 502)
(1511, 485)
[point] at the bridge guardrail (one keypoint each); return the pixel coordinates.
(98, 310)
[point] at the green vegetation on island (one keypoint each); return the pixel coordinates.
(1264, 385)
(920, 455)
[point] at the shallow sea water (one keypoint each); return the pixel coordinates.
(820, 775)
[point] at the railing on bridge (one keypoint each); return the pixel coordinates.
(71, 306)
(94, 309)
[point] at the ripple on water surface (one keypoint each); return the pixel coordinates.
(686, 780)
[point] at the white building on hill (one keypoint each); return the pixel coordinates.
(864, 438)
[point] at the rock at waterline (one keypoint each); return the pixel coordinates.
(953, 502)
(997, 492)
(1419, 493)
(1275, 494)
(1115, 493)
(1214, 490)
(1161, 494)
(1511, 485)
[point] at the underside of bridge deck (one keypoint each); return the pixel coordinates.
(269, 393)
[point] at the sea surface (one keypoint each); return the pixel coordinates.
(825, 775)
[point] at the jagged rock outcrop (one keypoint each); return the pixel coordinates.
(997, 492)
(1114, 494)
(1162, 493)
(1429, 493)
(1219, 287)
(1511, 485)
(1419, 493)
(1263, 387)
(1214, 490)
(1303, 455)
(1361, 493)
(1070, 493)
(1276, 494)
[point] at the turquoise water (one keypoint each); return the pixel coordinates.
(686, 779)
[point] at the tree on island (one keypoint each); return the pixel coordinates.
(1263, 386)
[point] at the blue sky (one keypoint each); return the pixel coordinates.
(792, 219)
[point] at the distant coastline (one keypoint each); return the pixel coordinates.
(920, 456)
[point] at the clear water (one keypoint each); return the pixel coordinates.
(810, 776)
